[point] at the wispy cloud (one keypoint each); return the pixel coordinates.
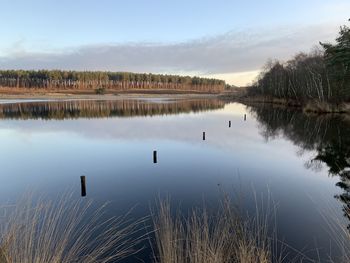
(235, 51)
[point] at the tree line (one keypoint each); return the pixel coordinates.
(59, 79)
(321, 75)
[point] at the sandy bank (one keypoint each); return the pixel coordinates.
(122, 96)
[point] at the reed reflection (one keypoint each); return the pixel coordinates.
(74, 109)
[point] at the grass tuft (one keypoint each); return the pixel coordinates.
(65, 231)
(200, 238)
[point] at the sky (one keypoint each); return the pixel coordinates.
(230, 40)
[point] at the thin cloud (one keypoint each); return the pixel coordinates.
(228, 53)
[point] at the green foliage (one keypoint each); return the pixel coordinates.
(337, 57)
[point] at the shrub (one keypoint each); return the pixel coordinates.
(100, 91)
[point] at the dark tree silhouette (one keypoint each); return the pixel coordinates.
(322, 76)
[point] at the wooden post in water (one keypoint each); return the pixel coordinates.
(154, 156)
(203, 136)
(229, 124)
(245, 117)
(83, 185)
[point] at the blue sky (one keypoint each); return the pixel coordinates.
(163, 36)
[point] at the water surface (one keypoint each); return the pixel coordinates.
(301, 161)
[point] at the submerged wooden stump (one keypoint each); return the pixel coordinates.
(203, 136)
(154, 156)
(83, 185)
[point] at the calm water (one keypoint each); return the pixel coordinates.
(301, 162)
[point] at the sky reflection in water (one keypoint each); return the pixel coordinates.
(115, 153)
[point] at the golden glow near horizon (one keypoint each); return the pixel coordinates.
(238, 79)
(233, 109)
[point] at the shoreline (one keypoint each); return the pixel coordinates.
(108, 96)
(311, 106)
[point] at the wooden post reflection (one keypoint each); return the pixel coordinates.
(154, 156)
(245, 117)
(229, 124)
(203, 136)
(83, 185)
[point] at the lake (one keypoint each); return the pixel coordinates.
(301, 163)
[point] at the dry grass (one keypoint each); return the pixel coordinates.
(340, 234)
(65, 231)
(324, 107)
(72, 231)
(270, 100)
(200, 238)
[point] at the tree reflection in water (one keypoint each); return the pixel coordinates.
(327, 135)
(72, 109)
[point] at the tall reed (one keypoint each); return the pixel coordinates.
(222, 238)
(63, 231)
(340, 234)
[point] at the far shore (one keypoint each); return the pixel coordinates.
(312, 106)
(71, 95)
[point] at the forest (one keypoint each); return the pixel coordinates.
(100, 81)
(321, 76)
